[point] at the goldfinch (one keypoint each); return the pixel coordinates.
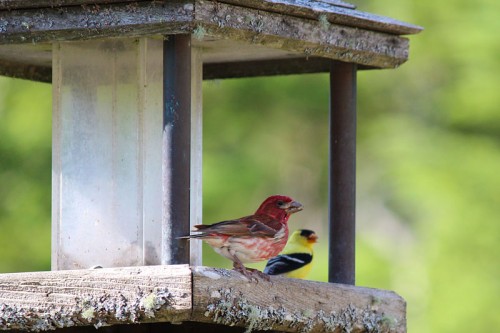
(296, 258)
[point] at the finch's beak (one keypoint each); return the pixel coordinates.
(293, 207)
(313, 238)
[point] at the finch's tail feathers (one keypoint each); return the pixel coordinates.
(197, 229)
(184, 237)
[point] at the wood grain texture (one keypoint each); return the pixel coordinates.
(292, 305)
(101, 297)
(23, 4)
(272, 28)
(94, 21)
(337, 14)
(302, 36)
(50, 300)
(336, 11)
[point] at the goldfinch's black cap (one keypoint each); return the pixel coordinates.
(306, 233)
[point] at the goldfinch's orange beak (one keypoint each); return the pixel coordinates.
(313, 238)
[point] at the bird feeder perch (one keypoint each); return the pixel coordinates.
(127, 157)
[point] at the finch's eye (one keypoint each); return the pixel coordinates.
(280, 203)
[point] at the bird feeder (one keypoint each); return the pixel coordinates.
(127, 156)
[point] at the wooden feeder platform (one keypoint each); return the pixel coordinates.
(176, 294)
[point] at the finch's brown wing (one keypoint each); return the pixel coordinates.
(253, 225)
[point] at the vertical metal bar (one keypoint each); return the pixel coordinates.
(342, 174)
(176, 147)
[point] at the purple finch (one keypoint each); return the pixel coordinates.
(251, 238)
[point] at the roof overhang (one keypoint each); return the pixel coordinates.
(238, 37)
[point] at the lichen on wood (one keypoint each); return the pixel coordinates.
(280, 29)
(100, 297)
(50, 300)
(292, 305)
(302, 36)
(337, 14)
(95, 21)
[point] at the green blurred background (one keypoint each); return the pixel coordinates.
(428, 164)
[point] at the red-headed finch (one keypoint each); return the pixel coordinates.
(251, 238)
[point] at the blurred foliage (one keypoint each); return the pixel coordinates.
(25, 176)
(428, 164)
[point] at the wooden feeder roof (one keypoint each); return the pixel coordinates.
(238, 37)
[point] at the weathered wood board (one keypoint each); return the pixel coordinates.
(145, 18)
(292, 305)
(23, 4)
(226, 31)
(342, 14)
(49, 300)
(101, 297)
(335, 11)
(301, 36)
